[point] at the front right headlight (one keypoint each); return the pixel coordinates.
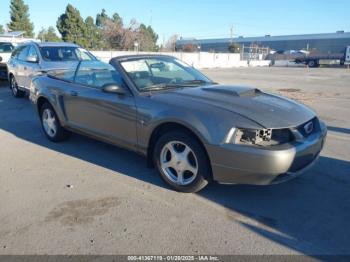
(252, 136)
(260, 137)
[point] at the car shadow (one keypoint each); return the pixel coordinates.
(339, 129)
(3, 83)
(309, 214)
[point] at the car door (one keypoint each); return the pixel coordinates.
(31, 68)
(108, 116)
(17, 65)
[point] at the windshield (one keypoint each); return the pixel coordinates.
(64, 53)
(162, 73)
(6, 48)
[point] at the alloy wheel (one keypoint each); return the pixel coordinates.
(179, 163)
(49, 122)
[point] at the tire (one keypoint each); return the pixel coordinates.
(187, 157)
(16, 92)
(313, 63)
(51, 124)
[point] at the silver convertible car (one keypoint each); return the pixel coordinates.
(191, 129)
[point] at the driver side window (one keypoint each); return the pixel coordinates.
(22, 56)
(97, 75)
(32, 52)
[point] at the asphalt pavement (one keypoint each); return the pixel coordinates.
(87, 197)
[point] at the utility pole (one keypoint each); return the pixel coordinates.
(231, 34)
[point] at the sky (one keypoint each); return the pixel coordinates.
(206, 18)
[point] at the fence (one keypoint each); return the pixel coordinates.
(197, 60)
(254, 53)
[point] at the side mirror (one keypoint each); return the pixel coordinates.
(0, 58)
(32, 59)
(114, 89)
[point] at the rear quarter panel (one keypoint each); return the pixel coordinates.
(49, 89)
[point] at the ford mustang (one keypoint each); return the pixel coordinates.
(190, 128)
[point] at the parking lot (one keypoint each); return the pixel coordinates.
(87, 197)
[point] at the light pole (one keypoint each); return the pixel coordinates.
(199, 53)
(136, 47)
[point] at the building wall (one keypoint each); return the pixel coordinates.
(324, 43)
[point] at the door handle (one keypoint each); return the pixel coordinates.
(73, 93)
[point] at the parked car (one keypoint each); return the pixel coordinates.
(192, 129)
(6, 49)
(32, 58)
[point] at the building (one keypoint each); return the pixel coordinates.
(325, 43)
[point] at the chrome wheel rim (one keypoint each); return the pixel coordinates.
(49, 122)
(14, 86)
(179, 163)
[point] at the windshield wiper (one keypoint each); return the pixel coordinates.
(164, 86)
(197, 82)
(161, 87)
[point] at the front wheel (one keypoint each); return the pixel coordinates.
(16, 92)
(182, 162)
(51, 124)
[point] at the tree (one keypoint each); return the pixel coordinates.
(101, 18)
(129, 35)
(170, 44)
(112, 33)
(72, 27)
(105, 31)
(110, 30)
(147, 38)
(92, 34)
(20, 21)
(1, 29)
(48, 35)
(117, 19)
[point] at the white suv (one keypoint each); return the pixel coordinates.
(5, 54)
(32, 59)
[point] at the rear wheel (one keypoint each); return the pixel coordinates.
(51, 124)
(313, 63)
(182, 162)
(16, 92)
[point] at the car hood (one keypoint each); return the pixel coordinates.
(270, 111)
(47, 66)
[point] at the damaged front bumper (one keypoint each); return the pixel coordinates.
(237, 164)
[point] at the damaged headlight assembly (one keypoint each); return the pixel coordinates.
(259, 137)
